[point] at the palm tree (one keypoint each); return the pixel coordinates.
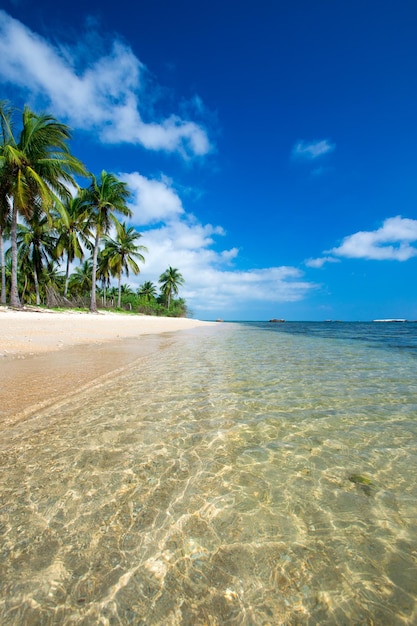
(112, 293)
(170, 280)
(36, 166)
(5, 207)
(147, 291)
(122, 252)
(126, 290)
(72, 228)
(52, 283)
(25, 282)
(80, 280)
(5, 222)
(8, 269)
(105, 197)
(36, 243)
(103, 274)
(54, 279)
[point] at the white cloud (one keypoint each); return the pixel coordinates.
(319, 262)
(226, 289)
(312, 150)
(106, 94)
(152, 200)
(390, 242)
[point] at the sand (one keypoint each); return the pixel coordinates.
(32, 331)
(46, 356)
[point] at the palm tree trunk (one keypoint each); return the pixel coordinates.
(25, 285)
(93, 301)
(14, 294)
(3, 270)
(36, 281)
(66, 277)
(119, 297)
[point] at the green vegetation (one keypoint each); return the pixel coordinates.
(44, 224)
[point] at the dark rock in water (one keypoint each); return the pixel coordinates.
(364, 483)
(276, 320)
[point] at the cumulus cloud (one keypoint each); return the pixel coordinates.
(106, 94)
(152, 200)
(392, 241)
(312, 150)
(225, 290)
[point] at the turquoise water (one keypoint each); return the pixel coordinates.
(241, 474)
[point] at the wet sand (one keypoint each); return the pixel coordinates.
(45, 356)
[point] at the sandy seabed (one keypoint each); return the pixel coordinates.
(46, 355)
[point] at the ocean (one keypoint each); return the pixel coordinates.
(242, 474)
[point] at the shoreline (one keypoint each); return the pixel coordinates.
(45, 356)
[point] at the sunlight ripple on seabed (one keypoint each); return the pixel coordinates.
(230, 479)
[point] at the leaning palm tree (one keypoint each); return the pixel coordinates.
(35, 165)
(73, 233)
(170, 280)
(121, 253)
(104, 197)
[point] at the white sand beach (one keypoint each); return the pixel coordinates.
(47, 355)
(31, 331)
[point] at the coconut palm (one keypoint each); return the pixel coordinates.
(112, 293)
(104, 197)
(26, 287)
(80, 280)
(36, 165)
(122, 251)
(36, 243)
(8, 269)
(126, 290)
(52, 282)
(5, 222)
(170, 280)
(73, 233)
(54, 278)
(5, 207)
(147, 291)
(103, 274)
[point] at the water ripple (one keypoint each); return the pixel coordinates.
(233, 478)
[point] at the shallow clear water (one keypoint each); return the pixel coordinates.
(240, 475)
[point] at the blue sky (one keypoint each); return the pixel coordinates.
(270, 146)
